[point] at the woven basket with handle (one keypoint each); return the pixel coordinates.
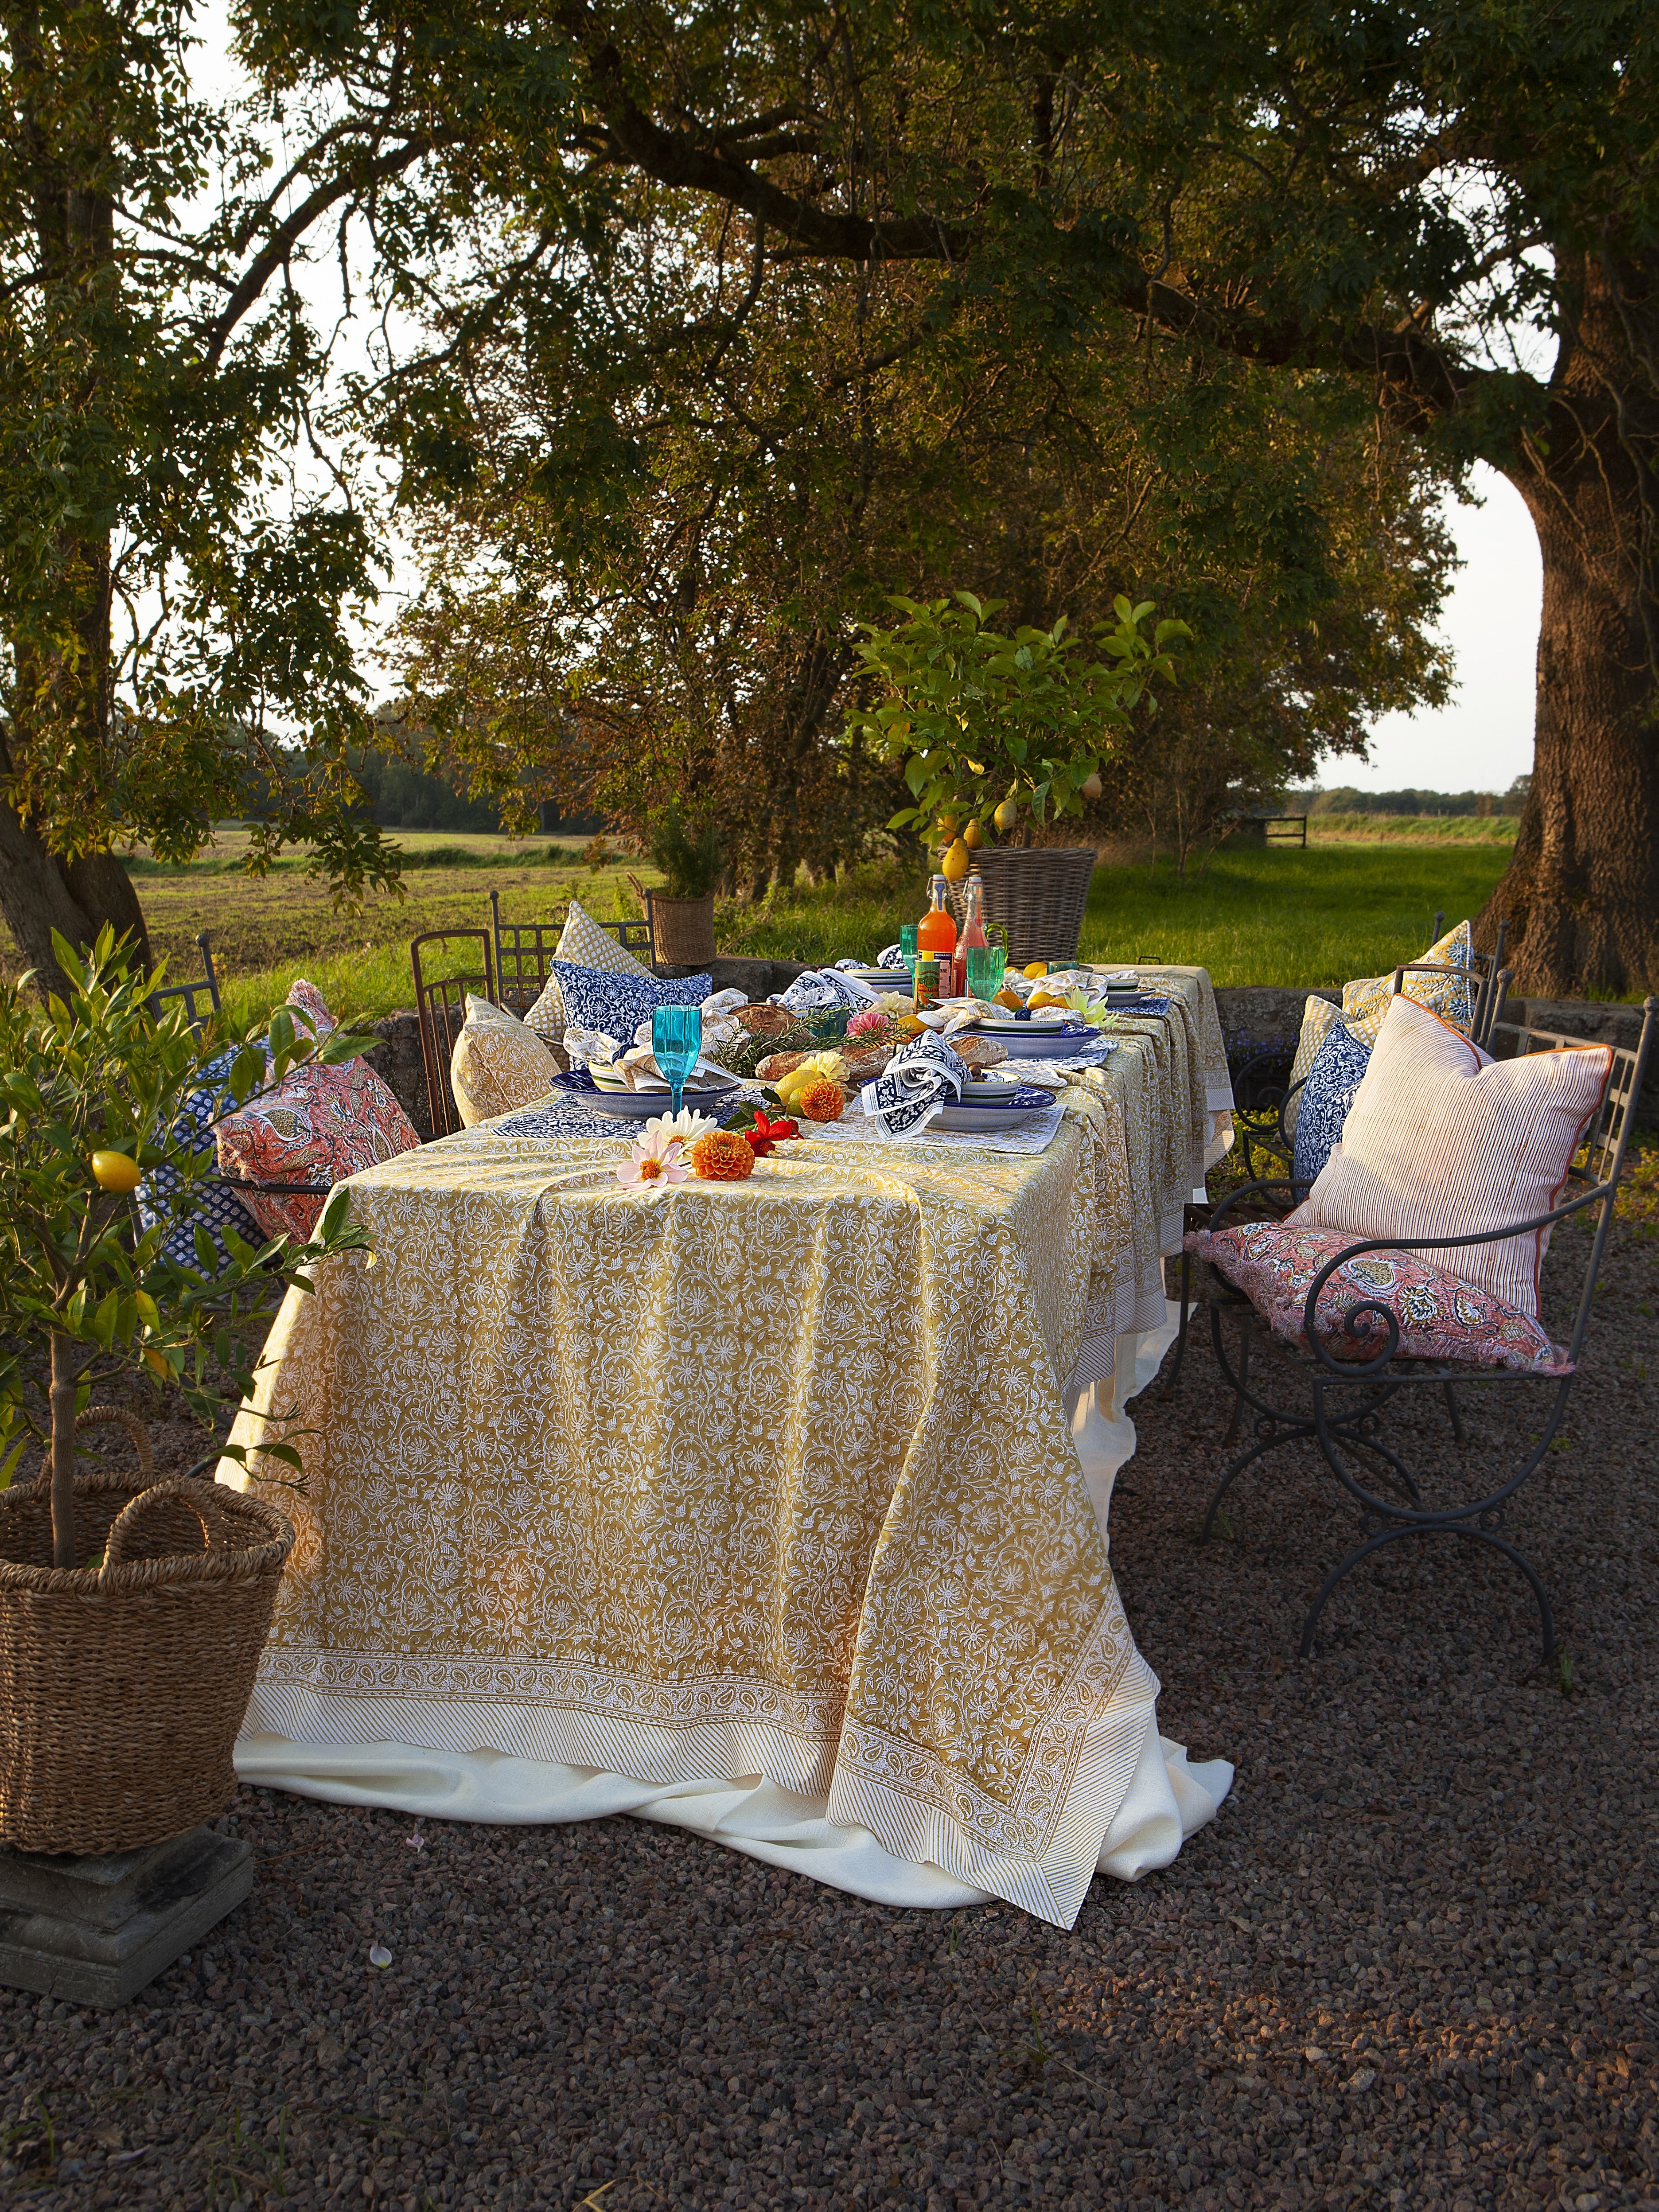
(1037, 893)
(123, 1685)
(681, 930)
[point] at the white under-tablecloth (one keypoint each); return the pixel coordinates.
(1167, 1801)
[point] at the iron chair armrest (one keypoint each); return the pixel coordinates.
(1298, 1191)
(282, 1189)
(1353, 1371)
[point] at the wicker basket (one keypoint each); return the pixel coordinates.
(122, 1688)
(682, 931)
(1038, 894)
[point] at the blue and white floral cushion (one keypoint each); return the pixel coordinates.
(215, 1207)
(1339, 1068)
(595, 999)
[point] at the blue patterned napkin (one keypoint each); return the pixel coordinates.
(816, 989)
(922, 1077)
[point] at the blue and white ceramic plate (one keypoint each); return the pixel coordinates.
(643, 1105)
(1036, 1040)
(993, 1105)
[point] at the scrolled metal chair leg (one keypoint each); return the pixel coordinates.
(1474, 1533)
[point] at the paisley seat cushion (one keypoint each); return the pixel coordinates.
(319, 1126)
(1439, 1315)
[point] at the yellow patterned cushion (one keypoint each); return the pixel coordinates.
(1451, 997)
(498, 1064)
(547, 1016)
(585, 944)
(1317, 1015)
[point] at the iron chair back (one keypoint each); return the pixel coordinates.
(206, 984)
(440, 1009)
(525, 950)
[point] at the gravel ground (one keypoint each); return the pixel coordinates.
(1412, 1963)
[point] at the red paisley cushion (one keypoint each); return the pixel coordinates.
(1440, 1317)
(321, 1125)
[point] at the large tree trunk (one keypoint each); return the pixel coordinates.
(1582, 894)
(40, 893)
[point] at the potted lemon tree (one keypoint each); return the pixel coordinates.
(132, 1612)
(997, 730)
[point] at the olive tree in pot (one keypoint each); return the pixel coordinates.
(996, 731)
(683, 912)
(132, 1612)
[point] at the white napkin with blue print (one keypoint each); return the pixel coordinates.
(817, 989)
(920, 1080)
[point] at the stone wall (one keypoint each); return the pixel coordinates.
(396, 1061)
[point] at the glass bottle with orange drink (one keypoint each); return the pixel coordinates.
(936, 939)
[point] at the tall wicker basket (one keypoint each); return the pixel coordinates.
(682, 931)
(1038, 895)
(122, 1688)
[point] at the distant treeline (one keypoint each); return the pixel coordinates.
(1346, 800)
(404, 797)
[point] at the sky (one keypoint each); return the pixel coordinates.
(1483, 739)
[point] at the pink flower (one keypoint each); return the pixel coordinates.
(866, 1024)
(654, 1159)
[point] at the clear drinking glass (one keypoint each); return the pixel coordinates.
(986, 966)
(676, 1041)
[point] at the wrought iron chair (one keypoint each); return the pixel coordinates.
(206, 984)
(1267, 1140)
(525, 952)
(440, 1010)
(1347, 1399)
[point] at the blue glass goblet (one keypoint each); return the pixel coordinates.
(675, 1043)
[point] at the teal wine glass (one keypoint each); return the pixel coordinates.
(675, 1043)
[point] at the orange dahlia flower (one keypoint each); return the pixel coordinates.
(822, 1101)
(723, 1156)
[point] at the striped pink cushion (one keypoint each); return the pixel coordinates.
(1442, 1140)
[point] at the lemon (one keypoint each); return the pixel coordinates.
(1044, 998)
(954, 866)
(972, 838)
(1036, 968)
(1006, 815)
(116, 1171)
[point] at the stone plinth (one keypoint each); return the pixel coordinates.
(96, 1930)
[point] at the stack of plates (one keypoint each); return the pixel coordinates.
(702, 1094)
(993, 1104)
(880, 979)
(1041, 1035)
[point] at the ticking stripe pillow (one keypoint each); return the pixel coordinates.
(1442, 1140)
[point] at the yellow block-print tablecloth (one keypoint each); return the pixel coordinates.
(772, 1479)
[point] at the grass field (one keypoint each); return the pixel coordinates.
(1413, 829)
(1284, 916)
(1280, 916)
